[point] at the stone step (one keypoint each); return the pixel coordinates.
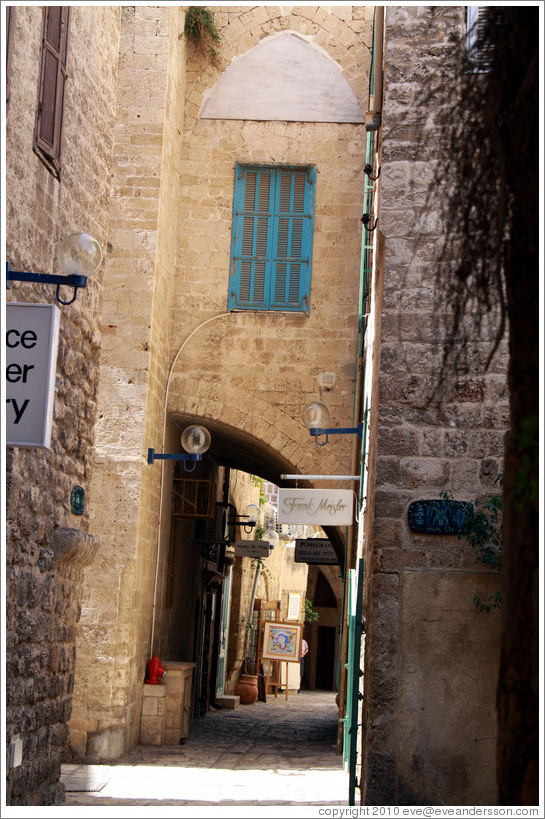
(228, 700)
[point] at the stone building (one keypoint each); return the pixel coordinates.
(53, 188)
(240, 282)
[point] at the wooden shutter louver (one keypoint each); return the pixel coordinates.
(272, 238)
(48, 132)
(478, 46)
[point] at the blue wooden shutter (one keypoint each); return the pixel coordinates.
(272, 238)
(252, 226)
(294, 206)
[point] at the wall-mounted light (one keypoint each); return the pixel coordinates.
(272, 536)
(270, 520)
(195, 440)
(79, 255)
(316, 417)
(249, 519)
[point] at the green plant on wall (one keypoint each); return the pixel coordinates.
(482, 530)
(311, 615)
(200, 29)
(260, 482)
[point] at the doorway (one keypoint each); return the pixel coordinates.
(325, 659)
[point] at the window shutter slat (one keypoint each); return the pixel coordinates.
(48, 129)
(272, 237)
(49, 99)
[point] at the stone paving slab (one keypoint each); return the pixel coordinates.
(274, 753)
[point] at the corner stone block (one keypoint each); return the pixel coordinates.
(151, 731)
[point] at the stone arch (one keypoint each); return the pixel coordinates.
(261, 440)
(285, 77)
(347, 42)
(259, 423)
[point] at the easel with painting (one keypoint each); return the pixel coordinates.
(268, 670)
(281, 642)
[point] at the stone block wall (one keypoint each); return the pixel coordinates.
(117, 608)
(453, 443)
(253, 372)
(166, 276)
(47, 545)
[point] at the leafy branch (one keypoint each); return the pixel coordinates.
(311, 615)
(200, 29)
(482, 530)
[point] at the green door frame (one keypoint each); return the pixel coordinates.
(354, 674)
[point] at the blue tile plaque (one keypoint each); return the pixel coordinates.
(77, 500)
(438, 517)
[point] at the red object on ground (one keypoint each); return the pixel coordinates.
(155, 670)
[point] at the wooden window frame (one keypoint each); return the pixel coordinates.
(271, 246)
(49, 116)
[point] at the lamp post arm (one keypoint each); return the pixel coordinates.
(338, 431)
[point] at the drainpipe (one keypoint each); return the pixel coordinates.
(373, 118)
(350, 551)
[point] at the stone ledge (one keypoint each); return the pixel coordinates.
(73, 550)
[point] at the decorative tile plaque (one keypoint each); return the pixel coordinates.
(438, 517)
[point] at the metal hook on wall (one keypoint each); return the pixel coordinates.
(368, 170)
(365, 219)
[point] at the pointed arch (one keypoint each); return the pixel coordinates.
(285, 77)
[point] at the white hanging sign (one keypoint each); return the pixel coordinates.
(252, 548)
(32, 336)
(333, 507)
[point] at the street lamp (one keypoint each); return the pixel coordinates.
(249, 519)
(315, 416)
(195, 440)
(78, 254)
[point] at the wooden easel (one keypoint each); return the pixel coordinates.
(271, 681)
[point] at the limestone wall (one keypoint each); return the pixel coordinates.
(166, 276)
(253, 372)
(47, 545)
(126, 493)
(431, 658)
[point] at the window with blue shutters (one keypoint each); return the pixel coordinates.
(271, 247)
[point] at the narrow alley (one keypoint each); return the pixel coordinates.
(269, 753)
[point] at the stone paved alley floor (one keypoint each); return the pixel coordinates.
(274, 753)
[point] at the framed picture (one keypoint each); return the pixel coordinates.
(282, 641)
(294, 605)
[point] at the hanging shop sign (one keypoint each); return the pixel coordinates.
(333, 507)
(438, 517)
(252, 548)
(315, 550)
(32, 337)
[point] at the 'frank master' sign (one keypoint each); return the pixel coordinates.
(319, 506)
(32, 335)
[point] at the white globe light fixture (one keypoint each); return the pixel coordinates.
(316, 418)
(315, 415)
(79, 255)
(196, 439)
(272, 536)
